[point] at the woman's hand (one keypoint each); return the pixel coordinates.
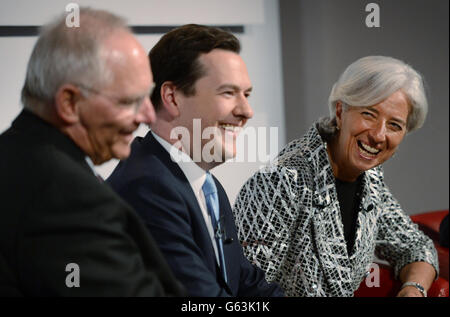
(409, 291)
(419, 272)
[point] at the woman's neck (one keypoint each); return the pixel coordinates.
(338, 162)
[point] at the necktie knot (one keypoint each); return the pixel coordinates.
(212, 200)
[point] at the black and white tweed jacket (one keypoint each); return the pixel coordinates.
(289, 222)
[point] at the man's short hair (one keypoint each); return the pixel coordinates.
(65, 54)
(175, 57)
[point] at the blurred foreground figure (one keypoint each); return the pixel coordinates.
(63, 232)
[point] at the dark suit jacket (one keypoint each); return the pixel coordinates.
(55, 212)
(158, 189)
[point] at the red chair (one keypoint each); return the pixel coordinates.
(429, 223)
(389, 287)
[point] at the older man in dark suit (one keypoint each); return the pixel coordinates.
(200, 78)
(63, 232)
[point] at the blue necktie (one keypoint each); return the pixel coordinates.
(212, 203)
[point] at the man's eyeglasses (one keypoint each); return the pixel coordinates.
(125, 102)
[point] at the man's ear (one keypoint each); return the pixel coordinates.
(170, 99)
(66, 103)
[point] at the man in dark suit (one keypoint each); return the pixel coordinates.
(202, 88)
(63, 232)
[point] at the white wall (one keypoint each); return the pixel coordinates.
(260, 50)
(140, 12)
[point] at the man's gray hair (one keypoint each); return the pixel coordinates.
(372, 79)
(65, 54)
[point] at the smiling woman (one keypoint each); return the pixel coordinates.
(368, 136)
(315, 218)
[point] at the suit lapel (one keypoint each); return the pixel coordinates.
(330, 243)
(157, 149)
(153, 146)
(328, 230)
(366, 228)
(328, 233)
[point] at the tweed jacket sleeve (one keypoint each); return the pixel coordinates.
(266, 214)
(399, 241)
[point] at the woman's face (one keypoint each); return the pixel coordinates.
(368, 136)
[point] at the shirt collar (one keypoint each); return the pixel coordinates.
(91, 164)
(194, 173)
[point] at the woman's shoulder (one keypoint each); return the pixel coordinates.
(303, 147)
(376, 175)
(293, 166)
(300, 155)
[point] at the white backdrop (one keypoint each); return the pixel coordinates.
(260, 50)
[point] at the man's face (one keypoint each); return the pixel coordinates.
(221, 102)
(109, 115)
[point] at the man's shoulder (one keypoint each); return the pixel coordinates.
(27, 154)
(39, 147)
(46, 175)
(13, 141)
(142, 168)
(46, 159)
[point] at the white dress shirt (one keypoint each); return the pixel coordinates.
(91, 164)
(196, 177)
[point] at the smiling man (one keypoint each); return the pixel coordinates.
(200, 79)
(220, 102)
(64, 232)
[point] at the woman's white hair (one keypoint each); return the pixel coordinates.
(65, 54)
(372, 79)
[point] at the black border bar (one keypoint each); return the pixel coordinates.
(33, 30)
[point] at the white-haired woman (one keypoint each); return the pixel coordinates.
(315, 219)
